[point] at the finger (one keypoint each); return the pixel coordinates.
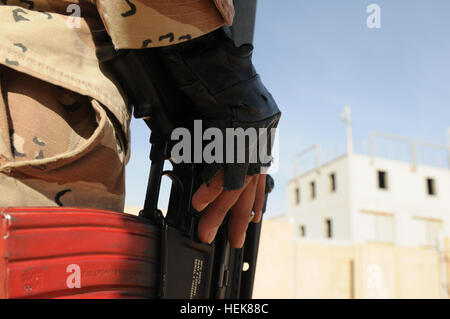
(214, 214)
(259, 198)
(208, 193)
(240, 214)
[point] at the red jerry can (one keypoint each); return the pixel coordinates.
(76, 253)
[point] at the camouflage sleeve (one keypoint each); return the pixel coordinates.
(138, 24)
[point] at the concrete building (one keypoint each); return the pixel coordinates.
(362, 199)
(361, 226)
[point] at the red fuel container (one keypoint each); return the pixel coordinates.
(76, 253)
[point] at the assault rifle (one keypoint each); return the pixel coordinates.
(188, 267)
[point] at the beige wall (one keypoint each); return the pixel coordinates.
(289, 268)
(447, 258)
(418, 273)
(324, 271)
(275, 261)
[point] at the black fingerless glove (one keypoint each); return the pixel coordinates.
(223, 86)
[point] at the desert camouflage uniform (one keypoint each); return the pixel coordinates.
(63, 120)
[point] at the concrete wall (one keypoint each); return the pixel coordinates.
(275, 266)
(292, 268)
(323, 271)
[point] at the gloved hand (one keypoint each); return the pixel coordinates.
(215, 203)
(223, 86)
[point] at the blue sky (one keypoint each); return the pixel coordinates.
(316, 56)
